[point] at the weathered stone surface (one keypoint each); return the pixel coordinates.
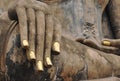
(76, 61)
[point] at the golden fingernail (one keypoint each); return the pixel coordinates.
(48, 61)
(32, 55)
(107, 43)
(25, 43)
(39, 65)
(56, 47)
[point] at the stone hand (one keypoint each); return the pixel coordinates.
(39, 30)
(108, 45)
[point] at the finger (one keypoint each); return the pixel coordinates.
(21, 12)
(108, 49)
(92, 43)
(56, 37)
(106, 42)
(48, 40)
(31, 37)
(97, 45)
(111, 42)
(81, 39)
(40, 17)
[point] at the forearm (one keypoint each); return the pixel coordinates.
(114, 16)
(106, 26)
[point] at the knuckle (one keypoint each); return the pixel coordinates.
(20, 3)
(38, 5)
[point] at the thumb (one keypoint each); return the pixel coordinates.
(111, 42)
